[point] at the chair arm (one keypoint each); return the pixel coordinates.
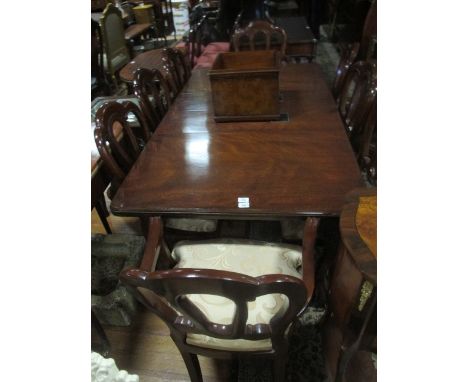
(308, 255)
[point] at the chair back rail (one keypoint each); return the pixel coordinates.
(173, 285)
(357, 95)
(118, 143)
(152, 90)
(365, 139)
(348, 57)
(179, 62)
(258, 28)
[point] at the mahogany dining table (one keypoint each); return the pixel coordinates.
(300, 166)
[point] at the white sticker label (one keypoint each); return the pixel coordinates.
(243, 202)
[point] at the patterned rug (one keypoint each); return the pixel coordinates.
(305, 360)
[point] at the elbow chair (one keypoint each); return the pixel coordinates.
(226, 298)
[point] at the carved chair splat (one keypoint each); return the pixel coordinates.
(152, 90)
(260, 27)
(118, 143)
(357, 94)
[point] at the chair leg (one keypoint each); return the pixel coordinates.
(279, 367)
(101, 209)
(193, 366)
(104, 347)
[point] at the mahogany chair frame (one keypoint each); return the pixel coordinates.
(164, 293)
(259, 27)
(179, 66)
(151, 83)
(119, 151)
(194, 42)
(348, 57)
(357, 95)
(97, 61)
(365, 143)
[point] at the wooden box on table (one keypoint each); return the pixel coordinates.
(144, 14)
(245, 86)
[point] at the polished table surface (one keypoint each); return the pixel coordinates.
(301, 166)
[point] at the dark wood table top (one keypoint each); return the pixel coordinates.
(194, 166)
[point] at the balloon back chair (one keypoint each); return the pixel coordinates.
(348, 57)
(153, 93)
(120, 141)
(258, 28)
(357, 95)
(226, 298)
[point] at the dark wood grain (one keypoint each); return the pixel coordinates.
(194, 166)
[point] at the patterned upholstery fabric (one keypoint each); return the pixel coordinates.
(192, 225)
(252, 258)
(292, 229)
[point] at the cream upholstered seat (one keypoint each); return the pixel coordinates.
(252, 258)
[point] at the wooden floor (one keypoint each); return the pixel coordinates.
(146, 349)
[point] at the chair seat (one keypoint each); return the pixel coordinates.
(192, 225)
(217, 47)
(206, 60)
(252, 258)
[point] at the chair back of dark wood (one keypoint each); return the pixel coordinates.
(118, 141)
(194, 41)
(366, 145)
(357, 95)
(364, 142)
(165, 293)
(348, 57)
(262, 29)
(97, 62)
(154, 95)
(179, 65)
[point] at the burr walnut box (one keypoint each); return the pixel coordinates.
(245, 86)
